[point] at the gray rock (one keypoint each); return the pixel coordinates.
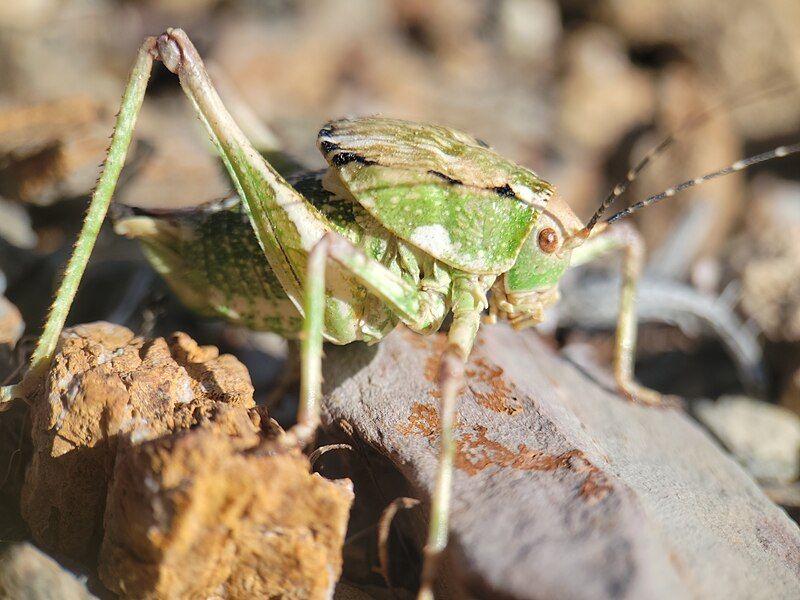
(27, 572)
(563, 489)
(763, 437)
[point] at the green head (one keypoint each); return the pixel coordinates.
(522, 293)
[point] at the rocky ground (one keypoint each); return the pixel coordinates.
(148, 465)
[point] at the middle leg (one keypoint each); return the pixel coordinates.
(401, 297)
(406, 301)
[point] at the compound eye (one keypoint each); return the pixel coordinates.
(548, 240)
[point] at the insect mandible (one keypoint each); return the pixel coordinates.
(408, 224)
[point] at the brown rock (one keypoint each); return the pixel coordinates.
(155, 448)
(202, 514)
(105, 383)
(767, 259)
(52, 150)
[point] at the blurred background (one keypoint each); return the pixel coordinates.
(577, 90)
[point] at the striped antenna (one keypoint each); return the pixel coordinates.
(734, 101)
(739, 165)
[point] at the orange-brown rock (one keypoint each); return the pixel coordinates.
(201, 514)
(106, 383)
(152, 453)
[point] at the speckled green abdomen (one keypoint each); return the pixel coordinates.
(211, 259)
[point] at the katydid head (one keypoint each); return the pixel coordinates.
(523, 293)
(531, 285)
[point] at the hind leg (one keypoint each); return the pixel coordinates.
(98, 207)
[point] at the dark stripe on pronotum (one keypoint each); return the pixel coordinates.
(328, 146)
(450, 180)
(342, 158)
(505, 191)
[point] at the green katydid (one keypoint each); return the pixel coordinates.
(409, 223)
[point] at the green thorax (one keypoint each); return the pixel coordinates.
(441, 190)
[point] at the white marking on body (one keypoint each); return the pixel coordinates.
(527, 195)
(434, 237)
(738, 165)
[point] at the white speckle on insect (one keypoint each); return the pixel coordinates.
(670, 192)
(738, 165)
(781, 151)
(432, 237)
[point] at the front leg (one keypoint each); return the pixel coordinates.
(627, 325)
(623, 237)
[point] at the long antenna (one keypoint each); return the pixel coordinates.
(778, 152)
(690, 124)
